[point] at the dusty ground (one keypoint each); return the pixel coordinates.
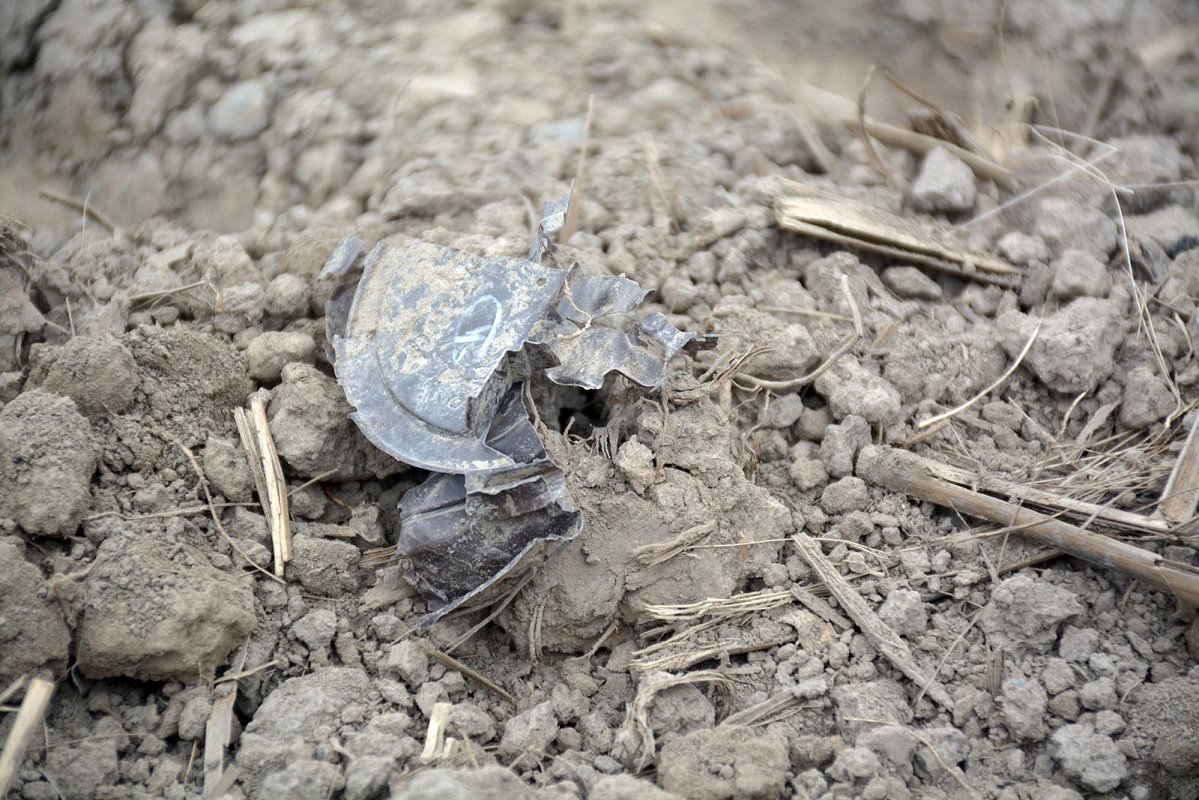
(228, 145)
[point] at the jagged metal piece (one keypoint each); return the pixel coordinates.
(422, 347)
(466, 536)
(553, 217)
(463, 551)
(640, 355)
(591, 337)
(342, 267)
(586, 297)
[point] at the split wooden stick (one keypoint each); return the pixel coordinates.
(255, 433)
(33, 709)
(1181, 494)
(881, 637)
(906, 472)
(217, 733)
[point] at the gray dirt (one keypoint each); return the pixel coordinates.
(222, 149)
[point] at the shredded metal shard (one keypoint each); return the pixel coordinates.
(423, 345)
(430, 345)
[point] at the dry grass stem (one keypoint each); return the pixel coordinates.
(846, 345)
(805, 312)
(999, 381)
(754, 543)
(213, 512)
(953, 771)
(1047, 499)
(715, 379)
(495, 612)
(829, 106)
(1089, 168)
(571, 223)
(185, 511)
(1061, 433)
(33, 710)
(659, 552)
(469, 672)
(84, 207)
(237, 676)
(666, 220)
(769, 710)
(749, 602)
(637, 714)
(139, 298)
(689, 656)
(603, 637)
(1028, 194)
(323, 476)
(948, 651)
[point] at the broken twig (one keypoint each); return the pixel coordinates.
(906, 472)
(469, 672)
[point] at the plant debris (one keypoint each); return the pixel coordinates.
(853, 224)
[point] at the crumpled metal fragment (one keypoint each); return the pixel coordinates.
(422, 347)
(466, 536)
(430, 344)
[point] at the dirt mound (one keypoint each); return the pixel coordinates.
(750, 610)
